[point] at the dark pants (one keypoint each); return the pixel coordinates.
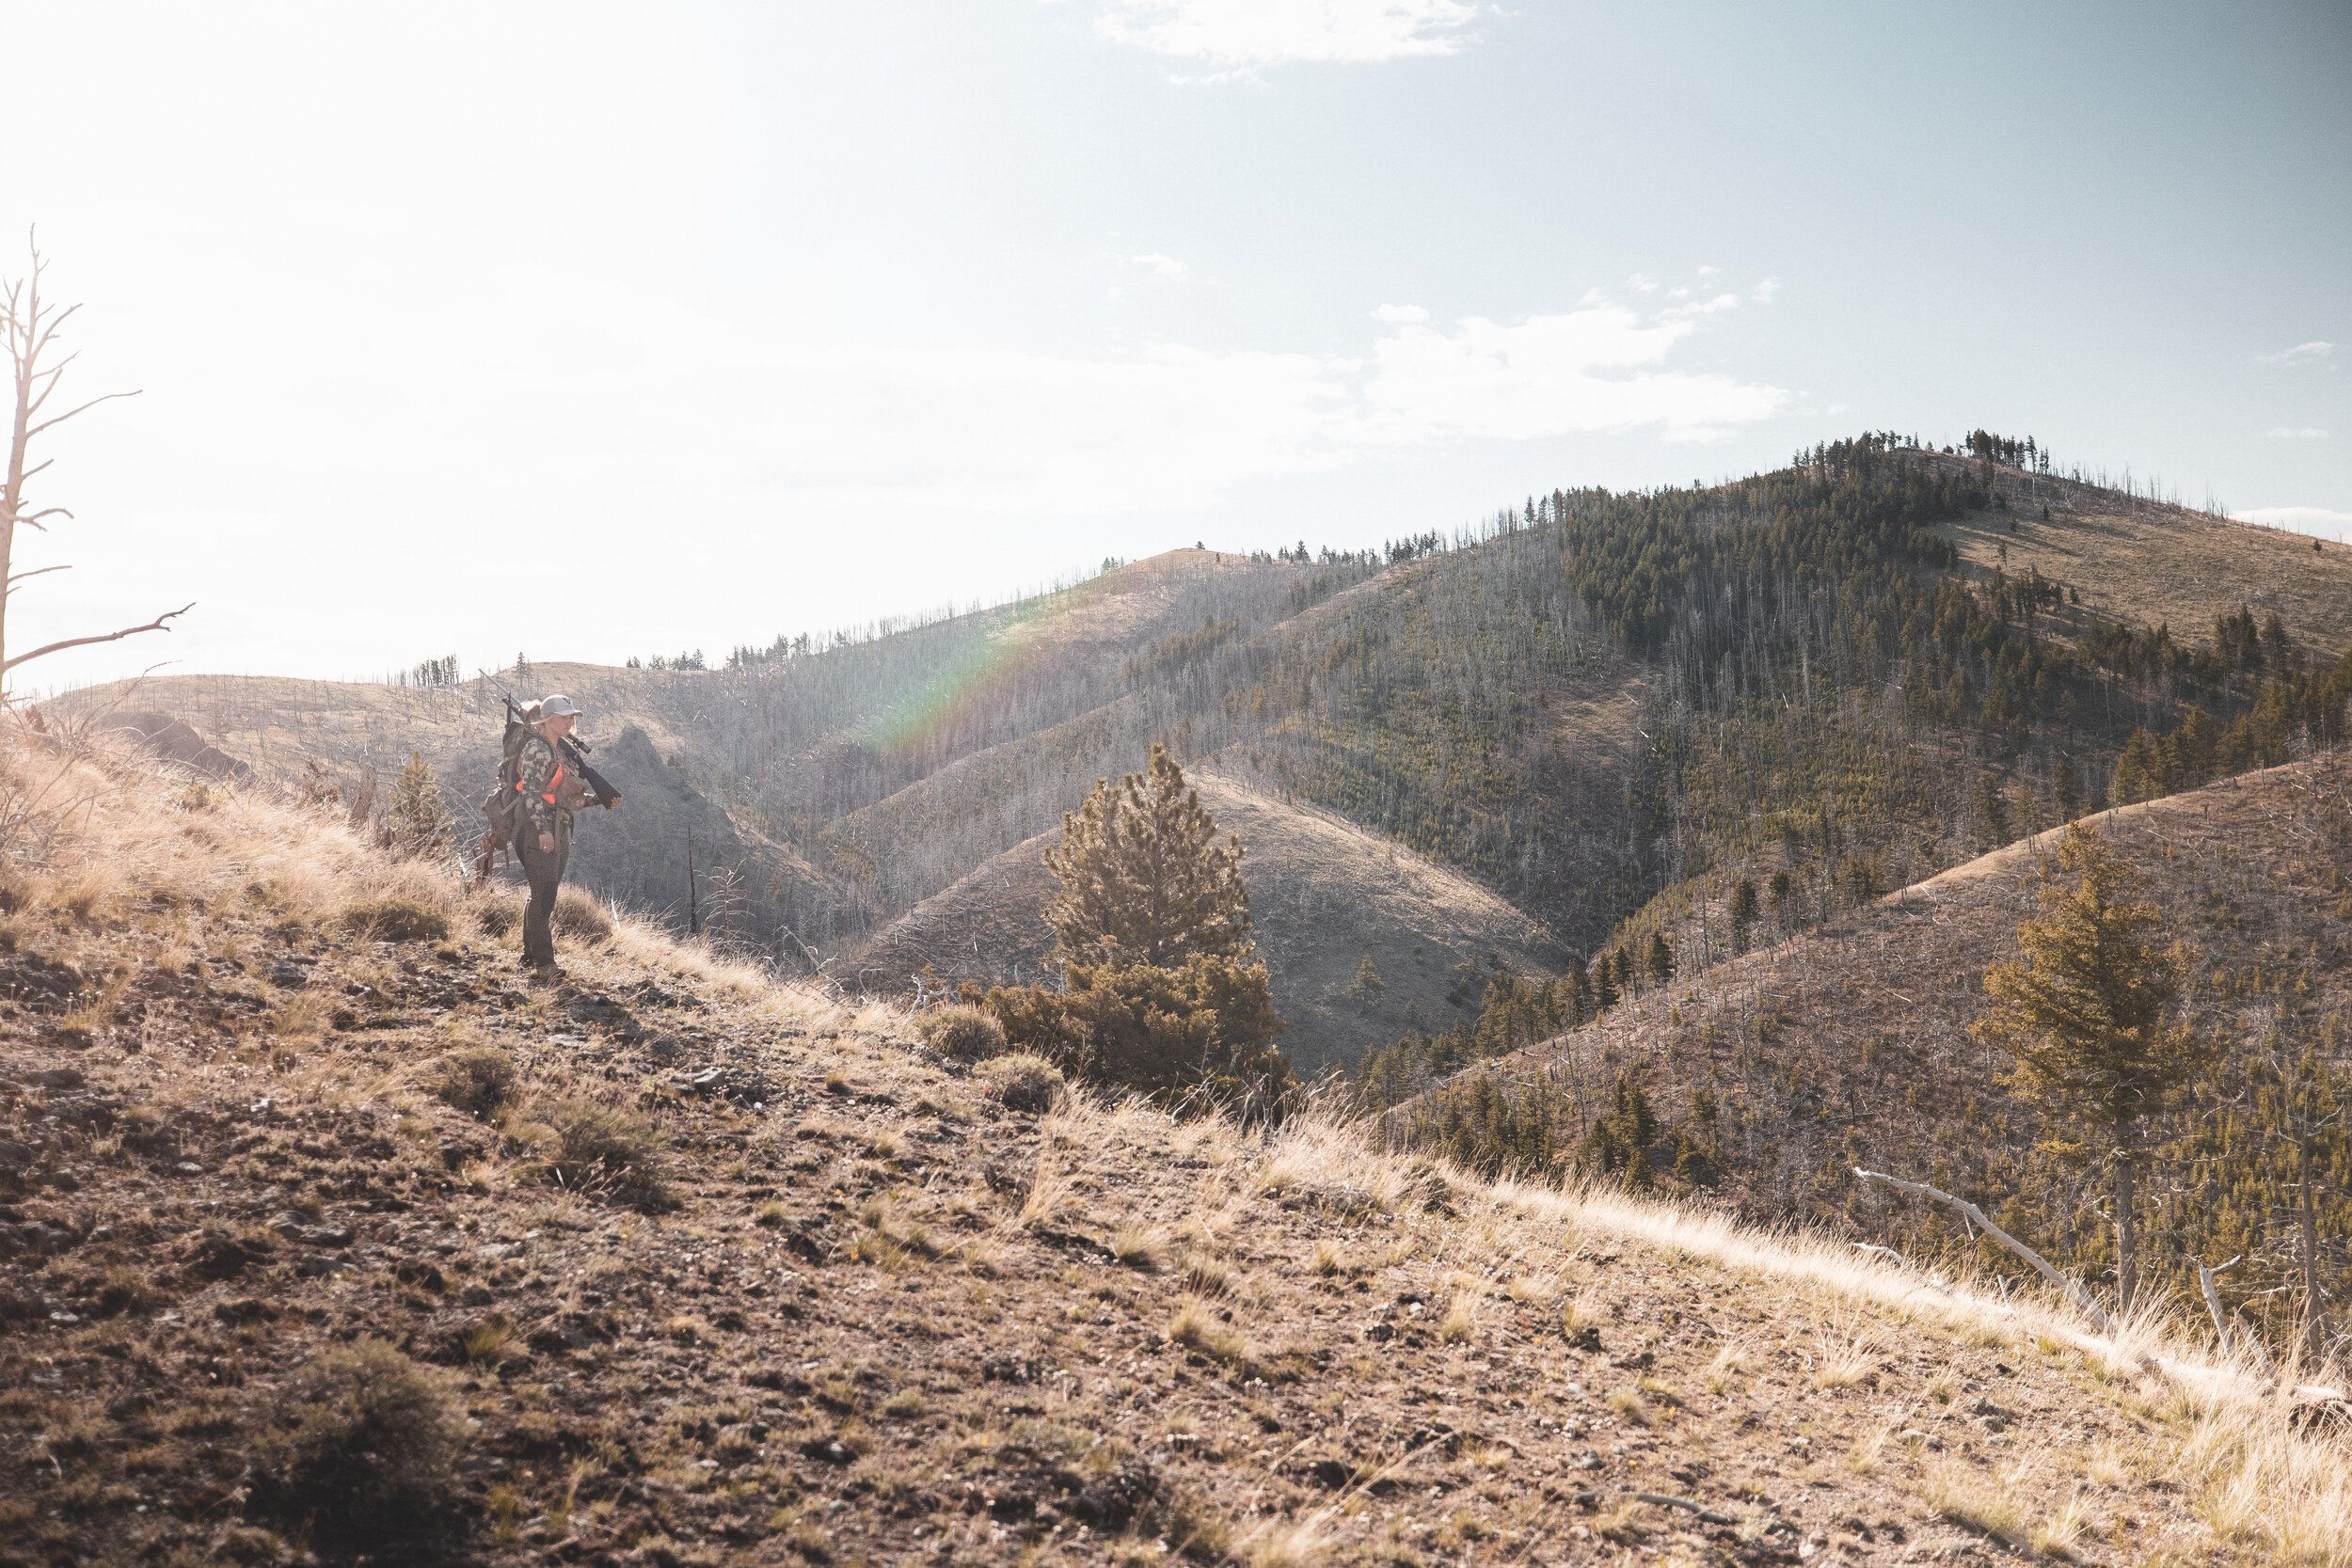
(544, 870)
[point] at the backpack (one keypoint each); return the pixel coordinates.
(498, 808)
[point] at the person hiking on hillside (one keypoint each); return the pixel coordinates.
(549, 786)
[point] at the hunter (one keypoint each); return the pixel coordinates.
(550, 786)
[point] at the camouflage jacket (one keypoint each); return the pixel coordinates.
(551, 788)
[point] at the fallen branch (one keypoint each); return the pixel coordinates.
(2072, 1288)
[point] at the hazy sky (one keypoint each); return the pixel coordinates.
(585, 331)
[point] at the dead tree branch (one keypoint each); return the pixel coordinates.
(157, 625)
(2072, 1286)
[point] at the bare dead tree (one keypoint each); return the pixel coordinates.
(32, 324)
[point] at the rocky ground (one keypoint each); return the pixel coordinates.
(322, 1236)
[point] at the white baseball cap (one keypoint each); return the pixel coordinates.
(557, 705)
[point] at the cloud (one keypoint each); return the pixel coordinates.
(1762, 293)
(1705, 307)
(1593, 370)
(2316, 520)
(1177, 426)
(2313, 353)
(1243, 35)
(1167, 268)
(2293, 433)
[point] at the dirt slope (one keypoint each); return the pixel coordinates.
(726, 1274)
(1324, 895)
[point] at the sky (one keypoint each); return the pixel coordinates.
(589, 331)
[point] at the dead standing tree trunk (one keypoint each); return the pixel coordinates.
(32, 325)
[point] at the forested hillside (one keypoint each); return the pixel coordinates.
(1764, 1080)
(1652, 722)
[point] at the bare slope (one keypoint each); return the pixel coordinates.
(726, 1274)
(1324, 893)
(2147, 563)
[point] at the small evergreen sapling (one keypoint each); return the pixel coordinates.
(418, 822)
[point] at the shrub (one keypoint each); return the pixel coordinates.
(496, 914)
(479, 1080)
(363, 1443)
(599, 1147)
(581, 914)
(962, 1034)
(396, 920)
(1021, 1082)
(1200, 1031)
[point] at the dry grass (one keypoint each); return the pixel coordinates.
(1970, 1497)
(1844, 1356)
(1138, 1246)
(2062, 1532)
(2267, 1489)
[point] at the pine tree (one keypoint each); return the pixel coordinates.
(1604, 984)
(1659, 959)
(2070, 795)
(1367, 983)
(1576, 992)
(1743, 913)
(2087, 1014)
(2138, 772)
(1620, 1141)
(417, 821)
(1144, 879)
(1992, 811)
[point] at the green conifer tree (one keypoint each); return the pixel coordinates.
(1743, 913)
(1658, 959)
(1144, 877)
(1604, 984)
(2086, 1012)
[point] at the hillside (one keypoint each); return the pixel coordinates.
(325, 1236)
(2146, 562)
(1605, 709)
(1323, 896)
(1848, 1045)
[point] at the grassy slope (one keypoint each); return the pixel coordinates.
(887, 1319)
(2142, 562)
(1324, 893)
